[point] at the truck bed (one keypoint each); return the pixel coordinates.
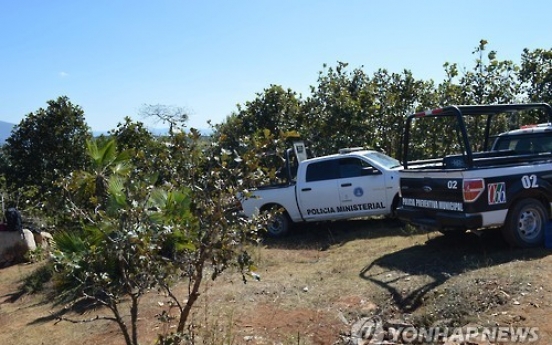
(489, 159)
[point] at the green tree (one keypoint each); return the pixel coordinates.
(118, 253)
(491, 81)
(146, 151)
(352, 109)
(150, 236)
(396, 95)
(46, 145)
(105, 161)
(448, 92)
(536, 74)
(4, 164)
(336, 109)
(275, 109)
(132, 135)
(275, 113)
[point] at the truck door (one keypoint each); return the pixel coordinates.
(317, 194)
(361, 187)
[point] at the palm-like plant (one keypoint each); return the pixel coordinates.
(105, 163)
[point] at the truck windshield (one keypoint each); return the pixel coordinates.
(525, 143)
(383, 160)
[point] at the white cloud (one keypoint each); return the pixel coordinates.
(63, 74)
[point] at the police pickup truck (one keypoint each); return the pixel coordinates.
(460, 176)
(353, 183)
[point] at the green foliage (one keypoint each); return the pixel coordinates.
(536, 74)
(336, 109)
(47, 145)
(138, 213)
(276, 110)
(350, 108)
(491, 81)
(4, 165)
(139, 234)
(396, 95)
(146, 152)
(275, 113)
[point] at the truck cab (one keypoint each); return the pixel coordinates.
(527, 139)
(354, 182)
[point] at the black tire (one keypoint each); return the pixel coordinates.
(279, 224)
(394, 205)
(525, 224)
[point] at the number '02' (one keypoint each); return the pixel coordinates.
(529, 181)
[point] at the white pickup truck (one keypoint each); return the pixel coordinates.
(353, 183)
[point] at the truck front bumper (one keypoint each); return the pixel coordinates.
(440, 220)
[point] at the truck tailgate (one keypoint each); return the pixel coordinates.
(436, 202)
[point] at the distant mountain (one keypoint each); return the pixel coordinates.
(5, 131)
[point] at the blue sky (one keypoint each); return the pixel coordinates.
(112, 57)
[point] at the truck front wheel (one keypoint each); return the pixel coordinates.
(279, 223)
(525, 223)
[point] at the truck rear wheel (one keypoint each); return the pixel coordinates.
(279, 223)
(394, 205)
(525, 223)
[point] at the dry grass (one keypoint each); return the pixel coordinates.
(322, 276)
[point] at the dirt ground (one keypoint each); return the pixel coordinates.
(317, 283)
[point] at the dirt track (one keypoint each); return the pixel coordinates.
(322, 276)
